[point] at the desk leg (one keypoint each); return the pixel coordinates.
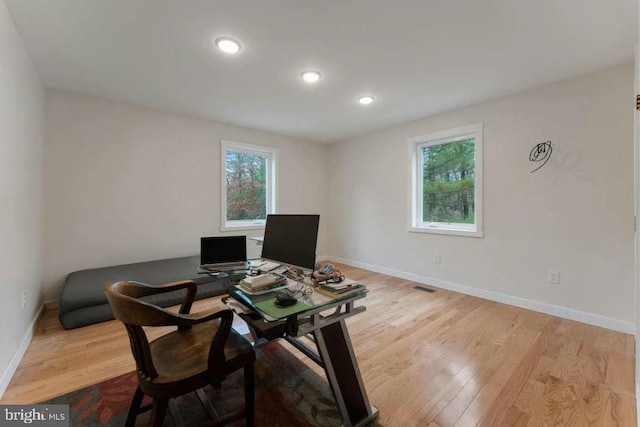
(341, 367)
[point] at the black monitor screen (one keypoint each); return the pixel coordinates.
(215, 250)
(291, 239)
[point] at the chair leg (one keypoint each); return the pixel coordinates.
(208, 407)
(134, 408)
(175, 413)
(249, 394)
(158, 412)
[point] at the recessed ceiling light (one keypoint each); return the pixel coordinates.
(228, 45)
(310, 76)
(366, 100)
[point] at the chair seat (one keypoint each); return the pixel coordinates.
(184, 354)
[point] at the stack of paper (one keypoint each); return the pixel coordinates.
(263, 265)
(263, 282)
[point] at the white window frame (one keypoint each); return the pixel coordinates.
(416, 144)
(272, 173)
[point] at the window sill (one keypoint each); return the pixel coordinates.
(447, 231)
(243, 226)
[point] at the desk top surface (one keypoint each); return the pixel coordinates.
(265, 304)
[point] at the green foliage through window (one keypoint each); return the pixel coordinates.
(246, 177)
(448, 182)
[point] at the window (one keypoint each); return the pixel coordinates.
(446, 182)
(249, 182)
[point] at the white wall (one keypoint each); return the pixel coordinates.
(575, 215)
(21, 218)
(127, 184)
(637, 210)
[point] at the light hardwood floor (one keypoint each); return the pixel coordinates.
(427, 359)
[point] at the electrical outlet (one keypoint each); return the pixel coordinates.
(553, 277)
(24, 299)
(437, 259)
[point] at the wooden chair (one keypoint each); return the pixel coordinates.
(203, 350)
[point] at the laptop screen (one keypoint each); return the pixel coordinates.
(214, 250)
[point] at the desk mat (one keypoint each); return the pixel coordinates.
(268, 307)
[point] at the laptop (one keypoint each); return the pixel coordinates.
(223, 253)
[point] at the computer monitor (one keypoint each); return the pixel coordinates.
(291, 239)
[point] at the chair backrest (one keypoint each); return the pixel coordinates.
(124, 299)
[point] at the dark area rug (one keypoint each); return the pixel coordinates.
(288, 393)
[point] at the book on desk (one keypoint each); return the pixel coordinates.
(342, 292)
(264, 283)
(340, 289)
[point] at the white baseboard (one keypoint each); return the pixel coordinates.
(20, 351)
(554, 310)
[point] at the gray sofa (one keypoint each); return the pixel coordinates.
(83, 302)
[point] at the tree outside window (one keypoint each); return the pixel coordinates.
(449, 182)
(246, 186)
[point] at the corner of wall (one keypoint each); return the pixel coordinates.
(11, 368)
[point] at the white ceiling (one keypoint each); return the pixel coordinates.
(417, 57)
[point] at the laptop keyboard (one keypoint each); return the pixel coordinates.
(227, 266)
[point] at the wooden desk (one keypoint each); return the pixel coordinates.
(333, 351)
